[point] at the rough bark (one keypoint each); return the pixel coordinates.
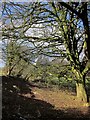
(81, 86)
(81, 92)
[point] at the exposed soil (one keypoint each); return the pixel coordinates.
(22, 100)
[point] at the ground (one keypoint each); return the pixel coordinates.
(23, 100)
(0, 99)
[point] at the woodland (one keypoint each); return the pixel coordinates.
(46, 51)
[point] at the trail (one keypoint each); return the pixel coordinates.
(32, 102)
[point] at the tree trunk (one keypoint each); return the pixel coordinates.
(81, 92)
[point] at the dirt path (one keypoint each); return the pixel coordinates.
(31, 102)
(60, 99)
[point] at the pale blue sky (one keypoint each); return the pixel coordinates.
(2, 63)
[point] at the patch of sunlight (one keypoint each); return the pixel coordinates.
(1, 72)
(14, 86)
(86, 104)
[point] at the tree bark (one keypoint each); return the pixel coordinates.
(81, 92)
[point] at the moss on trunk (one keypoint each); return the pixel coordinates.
(81, 92)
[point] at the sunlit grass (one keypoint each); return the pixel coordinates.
(1, 72)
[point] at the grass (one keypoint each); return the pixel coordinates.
(1, 72)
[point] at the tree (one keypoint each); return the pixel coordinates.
(67, 36)
(84, 66)
(75, 38)
(18, 49)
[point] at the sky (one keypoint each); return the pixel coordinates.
(2, 64)
(1, 60)
(22, 0)
(42, 0)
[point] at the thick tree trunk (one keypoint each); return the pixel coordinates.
(81, 92)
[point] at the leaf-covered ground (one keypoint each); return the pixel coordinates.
(25, 101)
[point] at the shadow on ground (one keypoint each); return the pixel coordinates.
(17, 107)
